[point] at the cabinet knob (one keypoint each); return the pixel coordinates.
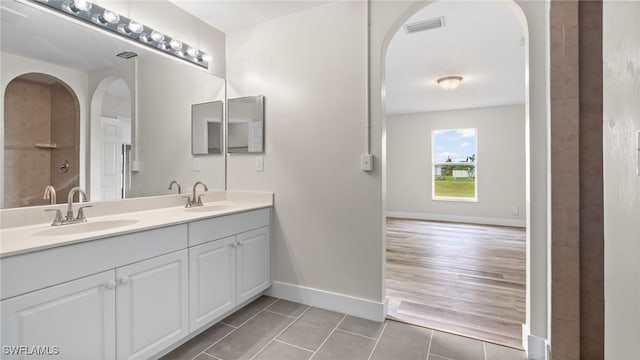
(110, 285)
(234, 244)
(124, 280)
(240, 243)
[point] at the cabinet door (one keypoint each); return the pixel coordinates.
(254, 272)
(73, 320)
(153, 309)
(212, 285)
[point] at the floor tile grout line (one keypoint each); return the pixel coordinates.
(278, 334)
(239, 326)
(344, 316)
(430, 341)
(356, 334)
(484, 350)
(224, 323)
(278, 313)
(375, 346)
(295, 346)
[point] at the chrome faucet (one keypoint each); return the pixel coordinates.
(176, 183)
(50, 194)
(191, 201)
(70, 219)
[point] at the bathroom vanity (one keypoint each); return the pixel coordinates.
(132, 285)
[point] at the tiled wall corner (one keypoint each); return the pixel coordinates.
(577, 314)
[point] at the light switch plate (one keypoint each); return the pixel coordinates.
(259, 163)
(196, 164)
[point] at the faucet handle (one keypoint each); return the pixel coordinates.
(199, 202)
(58, 217)
(189, 201)
(81, 212)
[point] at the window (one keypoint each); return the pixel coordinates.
(454, 164)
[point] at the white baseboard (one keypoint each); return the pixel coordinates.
(458, 218)
(536, 347)
(363, 308)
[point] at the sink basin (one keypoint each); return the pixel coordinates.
(85, 227)
(207, 208)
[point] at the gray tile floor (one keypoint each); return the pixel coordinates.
(276, 329)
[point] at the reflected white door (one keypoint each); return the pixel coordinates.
(111, 174)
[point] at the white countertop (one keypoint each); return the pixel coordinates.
(24, 239)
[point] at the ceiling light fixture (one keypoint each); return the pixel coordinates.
(105, 19)
(449, 82)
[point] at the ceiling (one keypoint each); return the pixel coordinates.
(481, 41)
(229, 16)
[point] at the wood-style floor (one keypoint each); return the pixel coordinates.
(460, 278)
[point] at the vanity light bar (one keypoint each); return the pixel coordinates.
(127, 28)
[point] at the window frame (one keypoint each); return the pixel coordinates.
(434, 197)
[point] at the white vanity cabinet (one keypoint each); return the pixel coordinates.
(229, 263)
(152, 305)
(253, 257)
(136, 295)
(121, 297)
(74, 320)
(212, 280)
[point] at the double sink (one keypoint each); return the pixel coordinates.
(101, 225)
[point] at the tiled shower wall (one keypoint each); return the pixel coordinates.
(38, 113)
(577, 314)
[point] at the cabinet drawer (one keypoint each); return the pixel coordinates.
(207, 230)
(32, 271)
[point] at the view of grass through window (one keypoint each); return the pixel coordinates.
(454, 164)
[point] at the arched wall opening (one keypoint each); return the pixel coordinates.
(41, 139)
(110, 145)
(388, 18)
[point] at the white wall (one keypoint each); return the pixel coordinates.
(310, 67)
(14, 66)
(621, 50)
(500, 156)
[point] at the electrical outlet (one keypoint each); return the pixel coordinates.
(366, 162)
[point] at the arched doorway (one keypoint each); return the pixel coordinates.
(41, 139)
(523, 206)
(111, 110)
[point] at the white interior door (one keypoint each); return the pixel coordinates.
(111, 169)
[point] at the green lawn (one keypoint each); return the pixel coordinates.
(449, 186)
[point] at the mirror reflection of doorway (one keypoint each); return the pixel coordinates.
(41, 140)
(111, 143)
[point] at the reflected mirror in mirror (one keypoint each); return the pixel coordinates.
(206, 128)
(245, 128)
(115, 152)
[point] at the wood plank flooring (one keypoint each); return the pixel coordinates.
(464, 279)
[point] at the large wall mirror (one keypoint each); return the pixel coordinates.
(126, 131)
(246, 125)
